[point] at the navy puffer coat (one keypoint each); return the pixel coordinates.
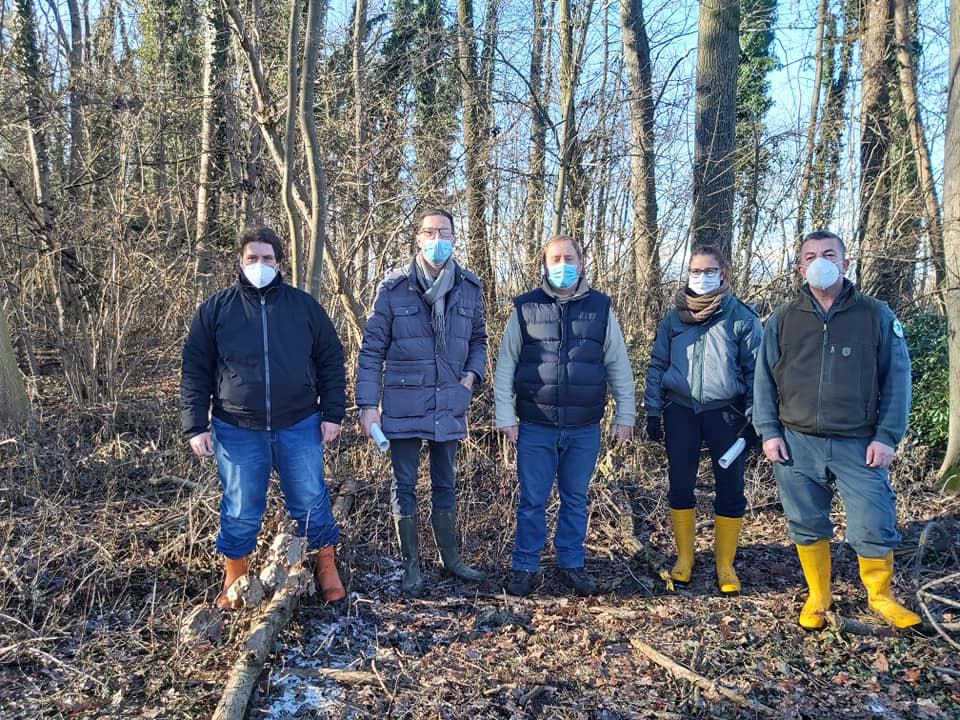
(421, 392)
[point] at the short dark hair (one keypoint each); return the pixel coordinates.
(563, 238)
(435, 211)
(260, 233)
(713, 251)
(823, 235)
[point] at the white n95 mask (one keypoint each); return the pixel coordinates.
(822, 273)
(258, 274)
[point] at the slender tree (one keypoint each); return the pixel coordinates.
(951, 242)
(14, 406)
(645, 241)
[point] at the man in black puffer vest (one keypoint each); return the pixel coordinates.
(561, 348)
(268, 359)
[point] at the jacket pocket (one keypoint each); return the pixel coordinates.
(404, 394)
(462, 395)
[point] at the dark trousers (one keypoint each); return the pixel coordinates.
(684, 432)
(405, 458)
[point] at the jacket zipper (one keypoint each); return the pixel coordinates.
(560, 360)
(823, 364)
(266, 356)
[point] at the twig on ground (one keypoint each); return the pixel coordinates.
(174, 480)
(353, 677)
(710, 687)
(855, 627)
(924, 594)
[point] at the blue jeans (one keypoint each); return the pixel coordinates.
(244, 461)
(544, 454)
(684, 432)
(405, 459)
(806, 493)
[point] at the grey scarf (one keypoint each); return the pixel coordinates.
(435, 294)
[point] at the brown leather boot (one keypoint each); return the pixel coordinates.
(235, 569)
(331, 589)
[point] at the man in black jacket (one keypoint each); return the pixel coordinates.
(270, 360)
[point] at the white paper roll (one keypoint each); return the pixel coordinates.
(379, 439)
(732, 454)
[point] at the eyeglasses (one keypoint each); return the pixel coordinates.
(445, 233)
(709, 272)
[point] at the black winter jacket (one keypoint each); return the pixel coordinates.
(268, 358)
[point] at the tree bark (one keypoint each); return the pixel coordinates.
(811, 123)
(951, 243)
(216, 42)
(14, 406)
(918, 140)
(533, 204)
(360, 159)
(645, 243)
(715, 141)
(316, 241)
(876, 273)
(294, 221)
(825, 179)
(475, 111)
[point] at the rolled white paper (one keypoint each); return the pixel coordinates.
(379, 439)
(732, 454)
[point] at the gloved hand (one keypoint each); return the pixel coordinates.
(654, 430)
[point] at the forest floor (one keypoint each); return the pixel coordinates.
(106, 546)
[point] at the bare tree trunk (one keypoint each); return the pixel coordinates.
(718, 52)
(475, 112)
(877, 274)
(216, 42)
(14, 406)
(533, 205)
(825, 178)
(570, 57)
(342, 285)
(917, 136)
(316, 242)
(645, 244)
(75, 63)
(360, 159)
(294, 223)
(950, 468)
(812, 123)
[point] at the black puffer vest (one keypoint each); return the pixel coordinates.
(560, 378)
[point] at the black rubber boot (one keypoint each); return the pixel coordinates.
(445, 532)
(412, 583)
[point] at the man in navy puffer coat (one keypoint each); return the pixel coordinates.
(427, 327)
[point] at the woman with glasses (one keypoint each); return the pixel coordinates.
(699, 390)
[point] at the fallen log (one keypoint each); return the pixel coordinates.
(236, 694)
(712, 689)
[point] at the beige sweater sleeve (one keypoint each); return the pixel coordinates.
(504, 399)
(619, 373)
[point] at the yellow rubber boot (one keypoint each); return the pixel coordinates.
(727, 531)
(876, 574)
(815, 561)
(684, 532)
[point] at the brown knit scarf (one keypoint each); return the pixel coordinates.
(696, 309)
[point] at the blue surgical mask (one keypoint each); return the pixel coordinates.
(437, 250)
(562, 275)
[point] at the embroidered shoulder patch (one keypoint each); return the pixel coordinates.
(897, 328)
